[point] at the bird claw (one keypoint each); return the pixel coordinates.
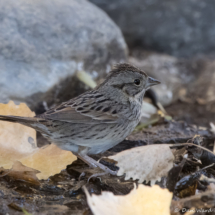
(111, 172)
(96, 175)
(81, 175)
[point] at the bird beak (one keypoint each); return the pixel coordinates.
(152, 82)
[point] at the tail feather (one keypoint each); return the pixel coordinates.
(27, 121)
(35, 123)
(18, 119)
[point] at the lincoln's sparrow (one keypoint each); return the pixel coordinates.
(98, 119)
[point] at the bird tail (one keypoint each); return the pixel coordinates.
(18, 119)
(35, 123)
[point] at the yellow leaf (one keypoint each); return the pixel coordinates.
(16, 140)
(143, 200)
(49, 160)
(18, 143)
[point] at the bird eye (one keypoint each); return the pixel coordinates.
(137, 81)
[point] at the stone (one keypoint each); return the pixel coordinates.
(182, 28)
(44, 43)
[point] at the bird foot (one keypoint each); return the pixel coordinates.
(101, 174)
(93, 164)
(96, 175)
(81, 175)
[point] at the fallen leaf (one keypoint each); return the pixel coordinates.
(49, 160)
(146, 163)
(18, 143)
(21, 172)
(16, 140)
(143, 200)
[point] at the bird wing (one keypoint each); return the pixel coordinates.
(91, 108)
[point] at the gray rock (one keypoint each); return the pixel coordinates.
(44, 42)
(180, 27)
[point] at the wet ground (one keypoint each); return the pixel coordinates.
(194, 113)
(63, 193)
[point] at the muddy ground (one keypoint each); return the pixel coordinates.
(200, 115)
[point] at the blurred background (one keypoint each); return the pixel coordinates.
(53, 50)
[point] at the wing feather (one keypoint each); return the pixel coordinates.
(83, 109)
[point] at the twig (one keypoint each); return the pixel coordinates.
(6, 173)
(191, 144)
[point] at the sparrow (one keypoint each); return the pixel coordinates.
(98, 119)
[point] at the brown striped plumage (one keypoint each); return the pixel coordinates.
(98, 119)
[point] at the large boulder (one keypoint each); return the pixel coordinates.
(44, 42)
(179, 27)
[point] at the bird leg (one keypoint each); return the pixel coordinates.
(85, 161)
(93, 163)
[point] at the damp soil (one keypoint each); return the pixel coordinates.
(193, 113)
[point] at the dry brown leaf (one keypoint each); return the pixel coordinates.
(143, 200)
(49, 160)
(21, 172)
(18, 143)
(146, 163)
